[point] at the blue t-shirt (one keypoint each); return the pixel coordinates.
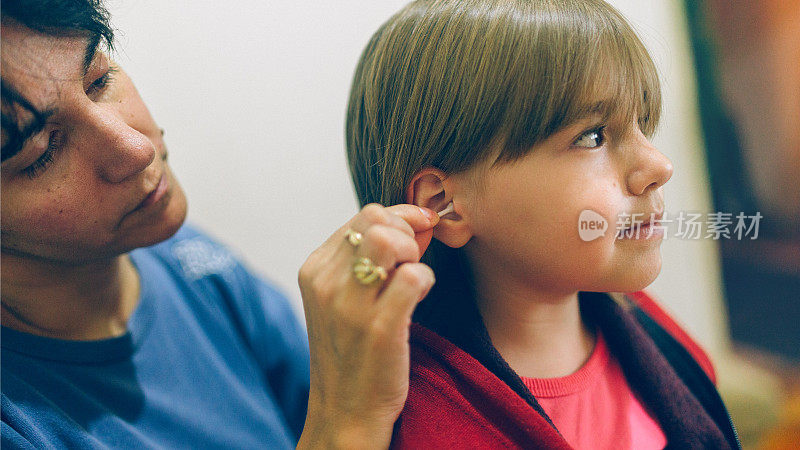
(213, 358)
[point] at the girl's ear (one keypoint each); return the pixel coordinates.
(432, 189)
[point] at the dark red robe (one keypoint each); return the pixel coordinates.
(463, 395)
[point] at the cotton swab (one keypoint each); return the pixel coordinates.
(450, 208)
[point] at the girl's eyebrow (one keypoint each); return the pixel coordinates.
(602, 110)
(602, 106)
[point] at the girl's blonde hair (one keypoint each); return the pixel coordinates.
(451, 83)
(444, 83)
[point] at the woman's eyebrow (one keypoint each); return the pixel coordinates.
(24, 132)
(27, 131)
(40, 118)
(91, 51)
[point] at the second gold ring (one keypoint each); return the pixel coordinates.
(367, 272)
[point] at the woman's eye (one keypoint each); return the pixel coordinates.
(54, 143)
(591, 139)
(100, 84)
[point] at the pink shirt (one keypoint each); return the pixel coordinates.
(594, 408)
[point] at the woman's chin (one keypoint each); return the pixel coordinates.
(161, 227)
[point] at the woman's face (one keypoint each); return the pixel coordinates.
(94, 182)
(524, 215)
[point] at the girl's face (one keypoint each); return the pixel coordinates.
(524, 215)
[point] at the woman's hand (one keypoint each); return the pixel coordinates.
(358, 334)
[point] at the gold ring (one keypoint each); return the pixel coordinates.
(366, 272)
(354, 237)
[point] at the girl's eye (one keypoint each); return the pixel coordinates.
(591, 139)
(100, 84)
(54, 143)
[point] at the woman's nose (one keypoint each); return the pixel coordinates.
(120, 151)
(650, 168)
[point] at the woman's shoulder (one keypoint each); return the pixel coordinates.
(650, 306)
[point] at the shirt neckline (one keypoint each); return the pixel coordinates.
(575, 382)
(91, 351)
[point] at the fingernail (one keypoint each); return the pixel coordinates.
(429, 214)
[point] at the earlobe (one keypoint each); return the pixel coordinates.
(453, 230)
(431, 188)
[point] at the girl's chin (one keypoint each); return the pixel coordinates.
(639, 279)
(632, 277)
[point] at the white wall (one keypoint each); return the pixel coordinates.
(252, 95)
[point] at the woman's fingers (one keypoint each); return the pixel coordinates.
(412, 220)
(359, 333)
(386, 236)
(384, 248)
(408, 285)
(420, 219)
(409, 219)
(388, 247)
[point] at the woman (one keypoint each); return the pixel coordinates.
(108, 343)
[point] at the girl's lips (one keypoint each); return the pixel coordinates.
(645, 231)
(641, 227)
(157, 194)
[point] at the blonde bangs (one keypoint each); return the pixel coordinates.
(446, 83)
(596, 67)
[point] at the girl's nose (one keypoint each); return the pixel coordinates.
(650, 168)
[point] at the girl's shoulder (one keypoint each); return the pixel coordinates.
(454, 400)
(647, 303)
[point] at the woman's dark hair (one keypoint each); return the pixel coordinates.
(55, 18)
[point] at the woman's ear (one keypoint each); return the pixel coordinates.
(431, 188)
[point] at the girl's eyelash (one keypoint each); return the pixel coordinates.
(599, 130)
(43, 162)
(101, 83)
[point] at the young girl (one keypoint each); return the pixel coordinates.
(513, 118)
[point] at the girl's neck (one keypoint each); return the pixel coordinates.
(540, 333)
(78, 302)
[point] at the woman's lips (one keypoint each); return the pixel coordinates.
(157, 194)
